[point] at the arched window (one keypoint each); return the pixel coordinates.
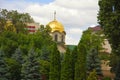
(62, 38)
(56, 37)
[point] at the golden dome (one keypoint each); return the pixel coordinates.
(56, 26)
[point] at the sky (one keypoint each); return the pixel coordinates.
(75, 15)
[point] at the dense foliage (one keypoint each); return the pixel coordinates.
(55, 65)
(31, 67)
(92, 75)
(14, 21)
(66, 70)
(80, 64)
(4, 70)
(93, 62)
(109, 19)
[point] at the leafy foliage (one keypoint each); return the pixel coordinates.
(92, 76)
(55, 65)
(18, 20)
(74, 55)
(80, 65)
(66, 69)
(109, 19)
(90, 39)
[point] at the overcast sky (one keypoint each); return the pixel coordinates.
(75, 15)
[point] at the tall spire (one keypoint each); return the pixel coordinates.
(54, 15)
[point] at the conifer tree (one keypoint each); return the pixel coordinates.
(93, 62)
(66, 68)
(18, 56)
(31, 67)
(55, 65)
(4, 71)
(74, 60)
(92, 75)
(16, 67)
(80, 65)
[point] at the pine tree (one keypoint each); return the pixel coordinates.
(80, 65)
(92, 75)
(18, 58)
(66, 68)
(31, 68)
(55, 65)
(93, 62)
(4, 71)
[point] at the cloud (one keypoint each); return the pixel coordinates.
(75, 31)
(73, 36)
(75, 15)
(71, 40)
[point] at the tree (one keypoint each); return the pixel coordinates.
(9, 27)
(15, 64)
(18, 20)
(66, 68)
(117, 72)
(8, 41)
(74, 55)
(91, 39)
(4, 71)
(93, 62)
(109, 19)
(31, 67)
(80, 64)
(55, 66)
(18, 56)
(45, 61)
(92, 75)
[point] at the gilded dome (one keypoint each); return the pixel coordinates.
(56, 26)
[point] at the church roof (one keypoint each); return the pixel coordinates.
(56, 26)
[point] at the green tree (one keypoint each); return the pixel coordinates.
(80, 65)
(92, 75)
(91, 39)
(18, 56)
(117, 72)
(15, 64)
(55, 66)
(14, 69)
(109, 19)
(93, 62)
(66, 68)
(4, 70)
(74, 55)
(18, 20)
(45, 61)
(8, 41)
(31, 67)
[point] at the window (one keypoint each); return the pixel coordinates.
(62, 38)
(56, 37)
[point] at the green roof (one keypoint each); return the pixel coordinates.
(71, 47)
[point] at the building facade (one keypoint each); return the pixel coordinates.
(32, 27)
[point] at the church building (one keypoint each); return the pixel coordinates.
(58, 34)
